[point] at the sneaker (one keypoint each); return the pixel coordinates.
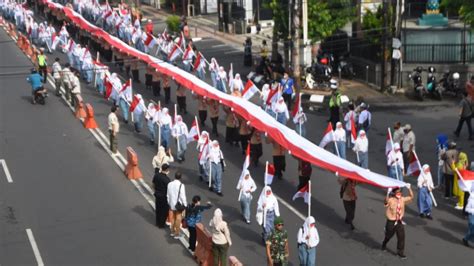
(177, 237)
(457, 207)
(172, 235)
(352, 227)
(384, 248)
(248, 221)
(465, 242)
(220, 194)
(211, 189)
(402, 256)
(429, 217)
(422, 215)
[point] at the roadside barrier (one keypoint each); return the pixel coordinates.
(19, 42)
(80, 112)
(2, 22)
(203, 252)
(89, 121)
(12, 31)
(131, 170)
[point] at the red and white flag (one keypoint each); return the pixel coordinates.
(269, 174)
(193, 134)
(150, 41)
(135, 102)
(328, 136)
(127, 87)
(176, 50)
(108, 88)
(200, 63)
(188, 54)
(388, 142)
(413, 166)
(353, 130)
(466, 179)
(296, 107)
(71, 45)
(249, 90)
(303, 193)
(55, 41)
(246, 162)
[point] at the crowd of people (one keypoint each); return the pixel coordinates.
(276, 98)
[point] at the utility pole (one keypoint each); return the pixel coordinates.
(296, 45)
(306, 44)
(384, 46)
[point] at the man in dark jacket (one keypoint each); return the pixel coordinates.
(160, 183)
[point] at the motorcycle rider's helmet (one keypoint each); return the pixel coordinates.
(324, 61)
(431, 69)
(333, 84)
(419, 69)
(456, 75)
(33, 70)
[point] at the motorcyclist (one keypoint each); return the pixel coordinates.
(36, 82)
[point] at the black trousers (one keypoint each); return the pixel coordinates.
(181, 100)
(244, 141)
(148, 81)
(161, 212)
(287, 98)
(156, 88)
(303, 180)
(231, 135)
(448, 185)
(461, 122)
(255, 152)
(167, 94)
(466, 198)
(192, 238)
(43, 71)
(202, 117)
(135, 76)
(350, 207)
(280, 165)
(214, 125)
(390, 230)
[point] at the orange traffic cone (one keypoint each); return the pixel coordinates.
(19, 42)
(89, 121)
(131, 170)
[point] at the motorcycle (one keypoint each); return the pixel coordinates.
(418, 87)
(345, 67)
(318, 75)
(40, 96)
(450, 84)
(435, 91)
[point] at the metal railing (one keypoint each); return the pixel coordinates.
(438, 53)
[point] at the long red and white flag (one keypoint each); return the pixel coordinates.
(413, 166)
(328, 136)
(303, 193)
(388, 142)
(353, 130)
(466, 180)
(269, 173)
(193, 134)
(249, 90)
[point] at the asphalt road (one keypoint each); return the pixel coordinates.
(434, 242)
(74, 198)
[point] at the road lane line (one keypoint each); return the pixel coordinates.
(234, 52)
(39, 260)
(7, 172)
(290, 207)
(218, 45)
(140, 189)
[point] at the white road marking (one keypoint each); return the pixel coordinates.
(218, 45)
(146, 186)
(234, 52)
(39, 260)
(295, 211)
(140, 189)
(7, 172)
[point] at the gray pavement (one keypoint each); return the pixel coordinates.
(427, 243)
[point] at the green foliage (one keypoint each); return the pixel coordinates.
(280, 17)
(173, 23)
(464, 8)
(373, 24)
(327, 16)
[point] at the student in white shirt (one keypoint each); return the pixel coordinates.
(180, 132)
(246, 186)
(340, 138)
(176, 193)
(268, 208)
(308, 239)
(361, 148)
(395, 163)
(216, 157)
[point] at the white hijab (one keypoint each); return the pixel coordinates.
(216, 220)
(269, 200)
(165, 118)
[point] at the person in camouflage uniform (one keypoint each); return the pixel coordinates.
(277, 245)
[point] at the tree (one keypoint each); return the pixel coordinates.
(280, 11)
(373, 25)
(464, 8)
(327, 16)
